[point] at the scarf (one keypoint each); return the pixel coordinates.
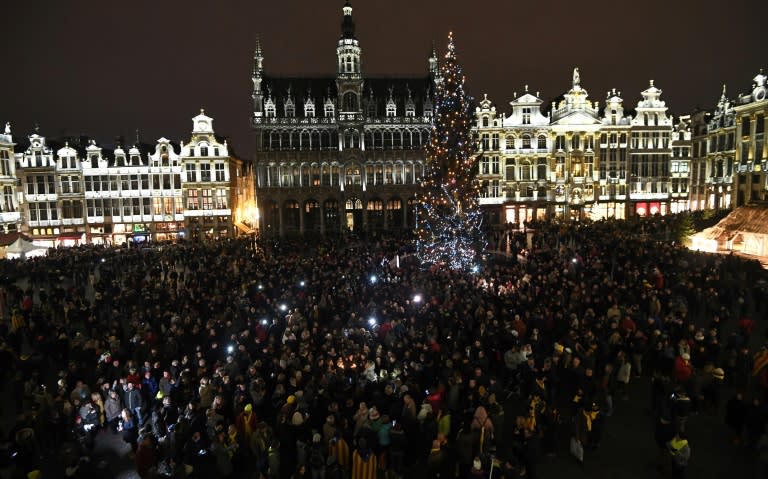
(590, 416)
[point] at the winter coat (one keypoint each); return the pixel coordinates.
(112, 408)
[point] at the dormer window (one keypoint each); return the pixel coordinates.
(290, 109)
(428, 111)
(371, 108)
(135, 160)
(94, 158)
(485, 121)
(410, 109)
(309, 109)
(204, 150)
(269, 108)
(391, 108)
(526, 116)
(329, 111)
(119, 160)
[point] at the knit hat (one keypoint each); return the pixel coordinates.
(297, 419)
(291, 399)
(686, 356)
(373, 414)
(718, 373)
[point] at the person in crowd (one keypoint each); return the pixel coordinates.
(239, 352)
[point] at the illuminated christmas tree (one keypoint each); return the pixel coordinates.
(448, 217)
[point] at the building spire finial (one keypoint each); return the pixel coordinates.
(257, 51)
(347, 24)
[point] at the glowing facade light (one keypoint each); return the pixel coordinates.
(373, 279)
(372, 321)
(283, 307)
(417, 298)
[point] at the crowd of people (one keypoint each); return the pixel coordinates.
(347, 359)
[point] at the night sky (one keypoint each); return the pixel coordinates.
(87, 67)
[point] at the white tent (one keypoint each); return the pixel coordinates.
(22, 248)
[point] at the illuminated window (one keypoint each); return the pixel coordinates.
(221, 199)
(207, 199)
(192, 200)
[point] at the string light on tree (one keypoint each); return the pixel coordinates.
(448, 217)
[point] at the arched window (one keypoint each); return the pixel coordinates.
(527, 141)
(398, 173)
(542, 142)
(510, 141)
(315, 175)
(485, 121)
(353, 176)
(409, 173)
(387, 139)
(407, 143)
(326, 175)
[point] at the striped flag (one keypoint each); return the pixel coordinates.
(760, 361)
